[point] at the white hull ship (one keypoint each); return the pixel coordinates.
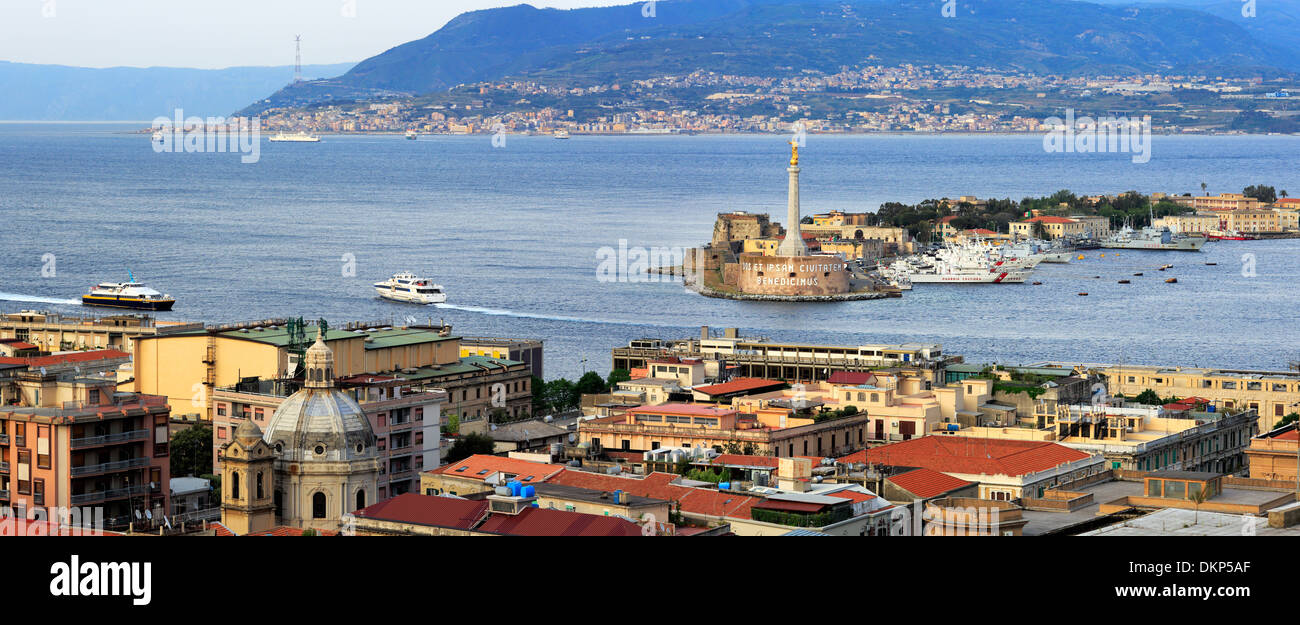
(294, 137)
(129, 294)
(561, 134)
(411, 289)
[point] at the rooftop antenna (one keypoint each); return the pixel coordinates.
(297, 58)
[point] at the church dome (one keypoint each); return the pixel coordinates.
(319, 422)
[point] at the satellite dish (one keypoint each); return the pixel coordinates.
(148, 514)
(572, 437)
(137, 514)
(42, 370)
(494, 427)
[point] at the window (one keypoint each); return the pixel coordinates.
(260, 494)
(234, 485)
(38, 492)
(1229, 386)
(318, 506)
(160, 436)
(361, 499)
(42, 446)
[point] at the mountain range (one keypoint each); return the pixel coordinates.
(786, 37)
(62, 93)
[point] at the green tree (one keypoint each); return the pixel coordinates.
(590, 384)
(309, 532)
(469, 445)
(561, 395)
(539, 395)
(191, 451)
(616, 376)
(1287, 420)
(453, 424)
(1149, 397)
(1261, 192)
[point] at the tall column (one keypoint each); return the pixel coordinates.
(793, 244)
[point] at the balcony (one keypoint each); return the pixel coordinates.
(4, 467)
(4, 439)
(110, 494)
(110, 439)
(108, 467)
(4, 495)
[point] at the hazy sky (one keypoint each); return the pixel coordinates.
(224, 33)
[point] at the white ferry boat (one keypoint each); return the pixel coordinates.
(411, 136)
(412, 289)
(561, 134)
(294, 137)
(129, 294)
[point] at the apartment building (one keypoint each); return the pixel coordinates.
(647, 428)
(1053, 227)
(1142, 438)
(76, 442)
(1224, 202)
(1271, 394)
(188, 367)
(733, 355)
(1275, 455)
(53, 332)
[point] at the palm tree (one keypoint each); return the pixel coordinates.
(1282, 193)
(1199, 498)
(1203, 189)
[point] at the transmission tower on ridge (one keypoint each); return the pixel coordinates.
(297, 58)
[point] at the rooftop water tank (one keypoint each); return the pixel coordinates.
(530, 491)
(724, 485)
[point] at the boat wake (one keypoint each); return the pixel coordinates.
(15, 297)
(496, 312)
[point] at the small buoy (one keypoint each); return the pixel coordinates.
(1124, 282)
(1037, 283)
(1083, 294)
(1102, 256)
(1080, 257)
(1138, 273)
(1211, 264)
(1171, 280)
(1096, 277)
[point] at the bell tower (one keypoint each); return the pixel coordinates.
(247, 482)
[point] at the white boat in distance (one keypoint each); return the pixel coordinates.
(294, 137)
(409, 288)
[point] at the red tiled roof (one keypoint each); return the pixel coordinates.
(737, 386)
(17, 344)
(427, 510)
(658, 485)
(474, 465)
(944, 220)
(62, 359)
(926, 483)
(852, 495)
(854, 378)
(546, 522)
(970, 455)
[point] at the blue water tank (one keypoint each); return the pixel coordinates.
(953, 427)
(618, 496)
(514, 487)
(529, 490)
(1209, 409)
(724, 485)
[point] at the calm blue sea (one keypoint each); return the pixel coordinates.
(513, 234)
